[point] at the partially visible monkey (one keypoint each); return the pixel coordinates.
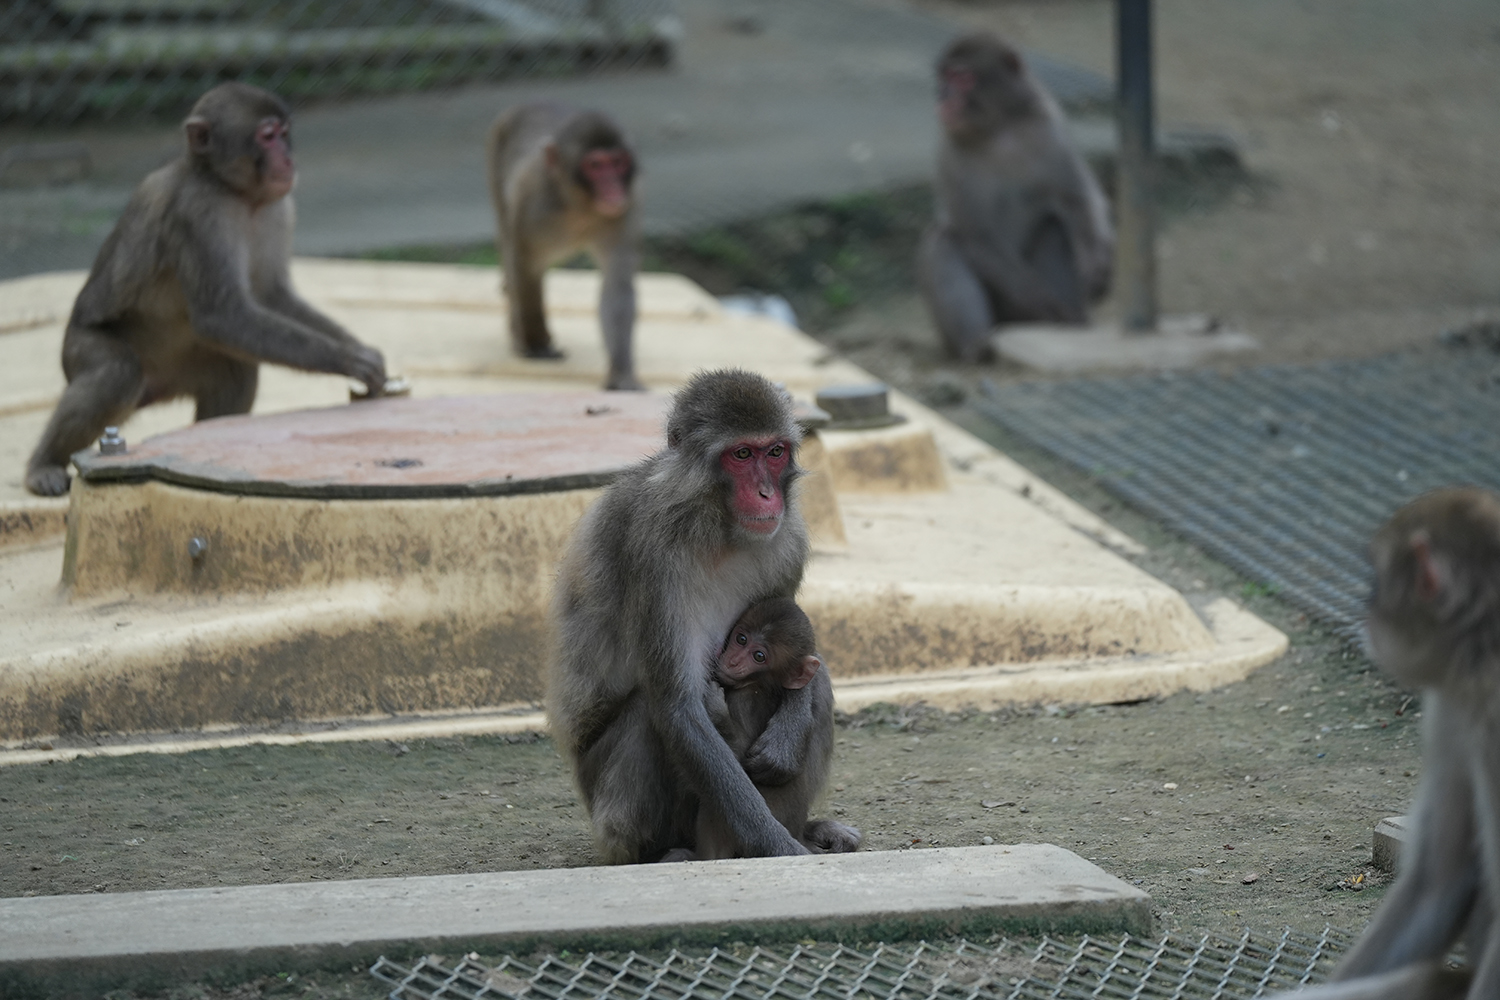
(655, 574)
(1022, 230)
(191, 290)
(770, 651)
(1434, 623)
(562, 180)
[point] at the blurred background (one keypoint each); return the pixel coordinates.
(1328, 186)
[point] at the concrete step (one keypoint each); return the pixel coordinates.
(84, 945)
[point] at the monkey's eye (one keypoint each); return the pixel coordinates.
(741, 638)
(776, 450)
(742, 453)
(760, 656)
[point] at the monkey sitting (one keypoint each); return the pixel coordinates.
(562, 181)
(785, 745)
(1022, 232)
(191, 290)
(1434, 624)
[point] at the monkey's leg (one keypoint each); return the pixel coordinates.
(528, 314)
(617, 311)
(955, 296)
(1050, 252)
(633, 801)
(1427, 980)
(1426, 910)
(223, 386)
(105, 385)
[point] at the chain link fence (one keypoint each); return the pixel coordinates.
(64, 60)
(1126, 968)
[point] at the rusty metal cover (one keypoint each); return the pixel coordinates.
(393, 448)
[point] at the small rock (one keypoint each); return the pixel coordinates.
(1170, 786)
(986, 840)
(1250, 877)
(995, 804)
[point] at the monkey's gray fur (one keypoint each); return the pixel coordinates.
(656, 573)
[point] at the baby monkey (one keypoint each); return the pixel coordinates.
(773, 704)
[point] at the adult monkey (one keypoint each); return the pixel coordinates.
(562, 181)
(191, 290)
(656, 573)
(1022, 232)
(771, 652)
(1435, 624)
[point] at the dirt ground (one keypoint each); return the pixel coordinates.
(1370, 220)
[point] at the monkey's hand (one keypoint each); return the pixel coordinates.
(772, 759)
(368, 366)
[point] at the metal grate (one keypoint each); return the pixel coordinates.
(1283, 472)
(1119, 968)
(61, 60)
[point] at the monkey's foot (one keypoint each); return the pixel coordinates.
(546, 352)
(48, 480)
(826, 836)
(625, 383)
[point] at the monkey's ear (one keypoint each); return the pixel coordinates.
(197, 129)
(804, 673)
(1431, 574)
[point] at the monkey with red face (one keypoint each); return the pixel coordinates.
(1434, 624)
(1022, 231)
(654, 576)
(191, 290)
(563, 180)
(771, 652)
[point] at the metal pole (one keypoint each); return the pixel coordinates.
(1136, 251)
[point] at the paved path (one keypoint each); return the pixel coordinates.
(829, 98)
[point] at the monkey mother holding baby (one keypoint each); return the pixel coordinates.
(659, 569)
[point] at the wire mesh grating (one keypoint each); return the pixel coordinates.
(1283, 472)
(61, 60)
(1125, 967)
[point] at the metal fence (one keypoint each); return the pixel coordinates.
(1122, 968)
(62, 60)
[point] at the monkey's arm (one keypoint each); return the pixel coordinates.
(780, 753)
(285, 300)
(1426, 910)
(1002, 268)
(222, 310)
(706, 761)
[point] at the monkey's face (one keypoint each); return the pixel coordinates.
(746, 656)
(756, 469)
(273, 141)
(1404, 633)
(607, 174)
(955, 84)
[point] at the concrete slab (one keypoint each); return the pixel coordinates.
(1391, 836)
(83, 945)
(1178, 342)
(941, 569)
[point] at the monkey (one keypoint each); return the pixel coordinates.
(191, 289)
(770, 651)
(563, 180)
(658, 569)
(1022, 230)
(1434, 624)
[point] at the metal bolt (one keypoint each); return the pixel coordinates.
(111, 443)
(196, 548)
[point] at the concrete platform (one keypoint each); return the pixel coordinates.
(941, 570)
(1390, 837)
(83, 945)
(1178, 342)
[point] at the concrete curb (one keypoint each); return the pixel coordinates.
(83, 945)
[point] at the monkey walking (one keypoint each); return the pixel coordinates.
(1022, 232)
(562, 181)
(771, 651)
(191, 290)
(656, 573)
(1434, 624)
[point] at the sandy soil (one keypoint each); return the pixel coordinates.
(1370, 220)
